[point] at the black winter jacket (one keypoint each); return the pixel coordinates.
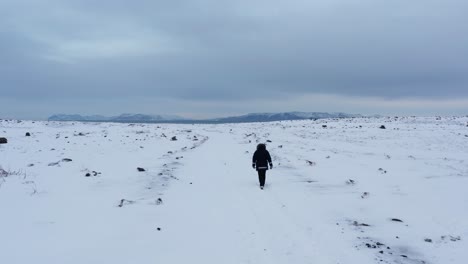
(261, 158)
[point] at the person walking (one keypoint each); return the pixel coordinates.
(260, 161)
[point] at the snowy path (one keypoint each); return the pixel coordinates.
(223, 217)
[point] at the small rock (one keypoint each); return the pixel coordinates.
(66, 160)
(174, 138)
(396, 220)
(324, 126)
(159, 229)
(350, 182)
(428, 240)
(125, 201)
(269, 141)
(54, 163)
(88, 175)
(3, 140)
(356, 223)
(382, 127)
(140, 169)
(28, 134)
(159, 201)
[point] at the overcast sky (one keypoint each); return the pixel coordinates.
(216, 57)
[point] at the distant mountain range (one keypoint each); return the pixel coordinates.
(254, 117)
(140, 118)
(268, 117)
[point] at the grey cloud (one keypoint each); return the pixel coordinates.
(232, 50)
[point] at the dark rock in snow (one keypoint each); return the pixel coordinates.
(159, 201)
(269, 141)
(451, 238)
(28, 134)
(350, 182)
(382, 170)
(396, 220)
(140, 169)
(125, 201)
(428, 240)
(66, 160)
(174, 138)
(88, 174)
(324, 126)
(382, 127)
(3, 140)
(356, 223)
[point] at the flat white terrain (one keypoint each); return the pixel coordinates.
(341, 191)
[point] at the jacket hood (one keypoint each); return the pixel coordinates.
(261, 146)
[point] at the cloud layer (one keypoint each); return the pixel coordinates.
(206, 57)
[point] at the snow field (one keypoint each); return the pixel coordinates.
(341, 191)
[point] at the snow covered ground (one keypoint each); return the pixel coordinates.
(341, 192)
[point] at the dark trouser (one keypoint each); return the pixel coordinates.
(261, 177)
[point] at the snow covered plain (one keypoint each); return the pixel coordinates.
(347, 193)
